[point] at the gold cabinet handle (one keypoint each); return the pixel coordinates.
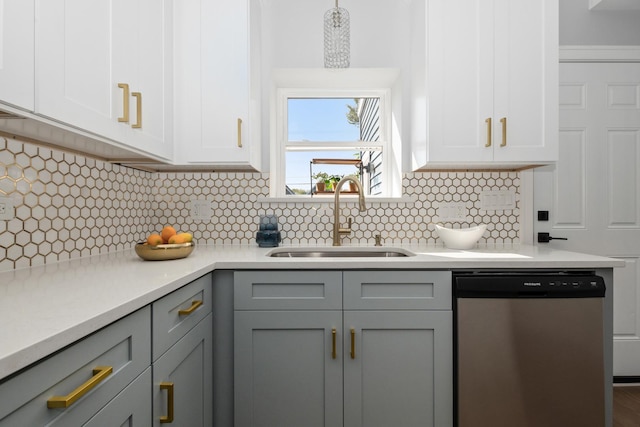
(169, 417)
(99, 374)
(489, 125)
(334, 354)
(125, 102)
(353, 343)
(138, 97)
(187, 311)
(239, 132)
(504, 132)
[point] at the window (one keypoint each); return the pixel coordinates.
(331, 138)
(330, 128)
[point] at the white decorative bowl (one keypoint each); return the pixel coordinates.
(460, 238)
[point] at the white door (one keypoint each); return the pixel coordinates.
(593, 193)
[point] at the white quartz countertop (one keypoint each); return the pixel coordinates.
(44, 309)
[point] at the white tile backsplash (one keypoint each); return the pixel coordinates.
(69, 206)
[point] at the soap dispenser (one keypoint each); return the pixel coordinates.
(268, 236)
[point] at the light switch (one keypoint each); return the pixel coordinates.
(6, 208)
(201, 209)
(499, 200)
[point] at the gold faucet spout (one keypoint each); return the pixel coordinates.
(337, 231)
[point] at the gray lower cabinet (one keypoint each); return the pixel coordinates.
(79, 382)
(127, 408)
(378, 354)
(183, 356)
(154, 363)
(285, 374)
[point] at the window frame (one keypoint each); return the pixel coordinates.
(284, 144)
(342, 83)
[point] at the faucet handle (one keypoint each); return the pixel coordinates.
(378, 238)
(347, 230)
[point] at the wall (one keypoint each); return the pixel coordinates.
(580, 26)
(71, 206)
(389, 35)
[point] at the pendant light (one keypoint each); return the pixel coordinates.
(336, 38)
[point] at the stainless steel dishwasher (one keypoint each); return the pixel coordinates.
(529, 350)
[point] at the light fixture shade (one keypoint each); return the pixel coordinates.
(336, 38)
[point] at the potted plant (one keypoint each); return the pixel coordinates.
(334, 179)
(321, 181)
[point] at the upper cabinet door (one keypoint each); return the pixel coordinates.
(101, 67)
(492, 83)
(459, 80)
(526, 81)
(214, 117)
(17, 53)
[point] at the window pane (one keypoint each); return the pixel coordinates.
(332, 137)
(323, 119)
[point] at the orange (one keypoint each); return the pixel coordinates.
(167, 232)
(177, 238)
(188, 237)
(154, 239)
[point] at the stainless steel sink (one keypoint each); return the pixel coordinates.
(339, 252)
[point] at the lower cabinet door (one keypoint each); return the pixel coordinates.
(398, 368)
(183, 380)
(288, 372)
(130, 408)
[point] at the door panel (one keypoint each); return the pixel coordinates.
(400, 371)
(593, 192)
(286, 374)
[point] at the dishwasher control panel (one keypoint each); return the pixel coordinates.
(522, 286)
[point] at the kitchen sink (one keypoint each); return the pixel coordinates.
(339, 252)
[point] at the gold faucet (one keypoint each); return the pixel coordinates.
(337, 231)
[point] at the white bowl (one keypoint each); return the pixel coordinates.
(460, 238)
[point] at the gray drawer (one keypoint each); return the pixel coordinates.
(123, 346)
(397, 290)
(288, 290)
(175, 314)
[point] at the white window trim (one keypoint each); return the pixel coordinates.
(350, 83)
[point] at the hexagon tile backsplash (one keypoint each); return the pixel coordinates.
(70, 206)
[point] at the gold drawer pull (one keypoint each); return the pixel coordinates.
(125, 103)
(99, 374)
(169, 417)
(240, 132)
(188, 311)
(138, 123)
(353, 343)
(504, 132)
(488, 122)
(333, 343)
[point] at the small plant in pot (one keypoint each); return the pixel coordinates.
(322, 178)
(334, 179)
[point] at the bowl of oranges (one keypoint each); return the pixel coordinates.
(168, 244)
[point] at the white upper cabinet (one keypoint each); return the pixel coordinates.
(104, 67)
(215, 112)
(16, 53)
(492, 84)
